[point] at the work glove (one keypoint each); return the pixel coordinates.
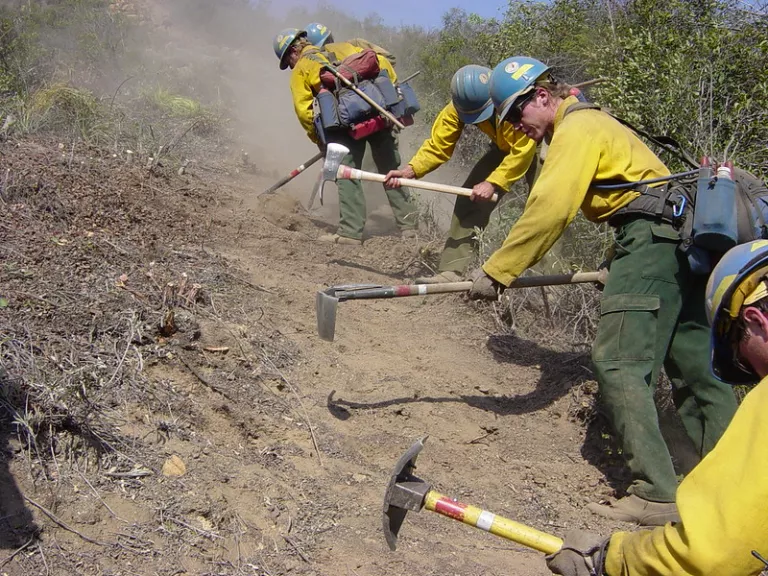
(582, 554)
(484, 287)
(482, 192)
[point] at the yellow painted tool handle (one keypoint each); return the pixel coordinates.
(498, 525)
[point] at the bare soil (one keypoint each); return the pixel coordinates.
(150, 315)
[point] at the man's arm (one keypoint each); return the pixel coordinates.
(517, 161)
(301, 91)
(438, 149)
(571, 165)
(722, 508)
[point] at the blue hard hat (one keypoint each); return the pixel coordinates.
(470, 94)
(736, 282)
(512, 78)
(283, 41)
(317, 34)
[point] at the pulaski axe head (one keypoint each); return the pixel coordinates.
(404, 492)
(334, 154)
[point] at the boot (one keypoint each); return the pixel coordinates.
(440, 278)
(638, 510)
(336, 239)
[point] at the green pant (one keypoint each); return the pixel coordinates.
(468, 215)
(653, 314)
(351, 197)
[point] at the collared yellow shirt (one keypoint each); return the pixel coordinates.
(446, 131)
(587, 147)
(722, 505)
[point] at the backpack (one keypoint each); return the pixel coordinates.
(751, 192)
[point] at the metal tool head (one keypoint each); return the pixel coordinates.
(404, 492)
(326, 302)
(334, 154)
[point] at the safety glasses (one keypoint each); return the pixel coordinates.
(515, 113)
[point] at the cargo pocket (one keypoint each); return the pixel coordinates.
(627, 330)
(661, 259)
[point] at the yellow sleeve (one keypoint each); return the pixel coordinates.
(438, 149)
(522, 151)
(721, 504)
(553, 203)
(301, 90)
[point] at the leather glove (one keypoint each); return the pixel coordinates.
(582, 554)
(484, 287)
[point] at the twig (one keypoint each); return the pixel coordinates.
(298, 398)
(112, 102)
(296, 547)
(204, 380)
(131, 474)
(205, 533)
(61, 523)
(12, 556)
(100, 498)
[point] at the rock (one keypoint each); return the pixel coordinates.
(174, 466)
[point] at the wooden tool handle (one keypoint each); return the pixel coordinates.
(354, 174)
(368, 99)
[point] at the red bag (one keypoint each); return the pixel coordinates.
(362, 65)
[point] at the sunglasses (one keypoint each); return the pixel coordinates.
(515, 114)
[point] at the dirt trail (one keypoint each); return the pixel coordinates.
(237, 402)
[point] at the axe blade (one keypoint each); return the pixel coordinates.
(334, 154)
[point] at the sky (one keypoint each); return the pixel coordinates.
(425, 13)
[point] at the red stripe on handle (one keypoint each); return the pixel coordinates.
(346, 172)
(295, 173)
(403, 290)
(451, 508)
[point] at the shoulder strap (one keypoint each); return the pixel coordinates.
(664, 142)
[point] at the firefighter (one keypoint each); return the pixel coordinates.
(652, 311)
(509, 157)
(722, 520)
(306, 61)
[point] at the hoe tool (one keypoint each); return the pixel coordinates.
(407, 492)
(327, 300)
(334, 170)
(293, 173)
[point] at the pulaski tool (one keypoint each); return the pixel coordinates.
(334, 170)
(326, 301)
(406, 492)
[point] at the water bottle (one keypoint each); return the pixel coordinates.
(715, 226)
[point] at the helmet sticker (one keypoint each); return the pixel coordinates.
(511, 67)
(520, 71)
(483, 78)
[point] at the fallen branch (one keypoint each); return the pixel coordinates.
(296, 547)
(298, 398)
(17, 551)
(61, 523)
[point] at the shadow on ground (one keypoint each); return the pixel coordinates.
(17, 526)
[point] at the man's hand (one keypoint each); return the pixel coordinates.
(394, 175)
(582, 554)
(482, 192)
(484, 287)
